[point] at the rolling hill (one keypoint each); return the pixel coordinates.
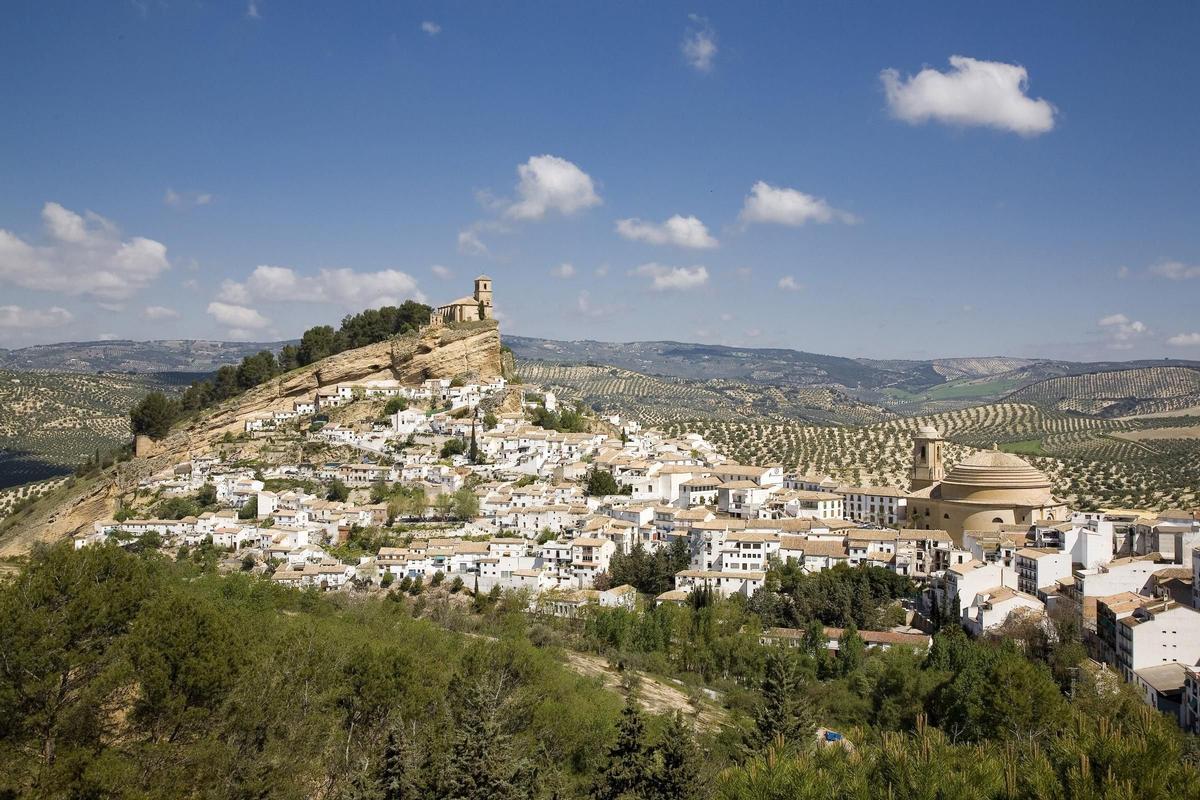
(166, 355)
(899, 386)
(1119, 393)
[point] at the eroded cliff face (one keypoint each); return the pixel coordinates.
(470, 350)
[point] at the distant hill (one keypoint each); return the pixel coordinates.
(165, 355)
(1117, 393)
(900, 386)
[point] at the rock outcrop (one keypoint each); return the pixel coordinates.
(470, 350)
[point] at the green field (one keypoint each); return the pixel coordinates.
(972, 389)
(1024, 447)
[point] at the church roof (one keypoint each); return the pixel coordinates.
(927, 432)
(994, 468)
(482, 277)
(992, 476)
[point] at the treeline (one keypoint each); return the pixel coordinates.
(650, 573)
(126, 675)
(997, 718)
(838, 597)
(155, 414)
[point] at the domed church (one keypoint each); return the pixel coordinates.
(981, 493)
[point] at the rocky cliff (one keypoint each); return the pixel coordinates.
(469, 350)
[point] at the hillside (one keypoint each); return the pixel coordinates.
(899, 386)
(1127, 392)
(463, 349)
(50, 422)
(1092, 461)
(658, 399)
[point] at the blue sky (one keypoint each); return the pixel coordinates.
(246, 170)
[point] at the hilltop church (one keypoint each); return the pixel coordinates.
(980, 493)
(476, 307)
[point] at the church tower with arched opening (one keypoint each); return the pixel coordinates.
(483, 296)
(927, 466)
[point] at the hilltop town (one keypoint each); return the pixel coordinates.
(498, 488)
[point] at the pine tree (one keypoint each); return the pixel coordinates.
(399, 774)
(482, 764)
(677, 768)
(628, 774)
(780, 713)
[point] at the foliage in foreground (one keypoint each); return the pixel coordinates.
(128, 676)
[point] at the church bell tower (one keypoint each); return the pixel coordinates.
(927, 466)
(483, 296)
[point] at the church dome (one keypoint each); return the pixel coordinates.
(991, 476)
(927, 432)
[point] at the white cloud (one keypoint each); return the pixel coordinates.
(431, 28)
(790, 284)
(1185, 340)
(236, 316)
(973, 92)
(442, 272)
(25, 318)
(470, 244)
(342, 287)
(753, 333)
(602, 271)
(160, 313)
(1175, 270)
(1122, 272)
(726, 316)
(563, 270)
(234, 292)
(744, 272)
(699, 45)
(184, 200)
(585, 306)
(84, 254)
(672, 278)
(1121, 330)
(549, 183)
(678, 230)
(782, 206)
(252, 10)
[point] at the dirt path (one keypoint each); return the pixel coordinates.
(654, 694)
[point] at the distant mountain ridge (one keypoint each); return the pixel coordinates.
(123, 355)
